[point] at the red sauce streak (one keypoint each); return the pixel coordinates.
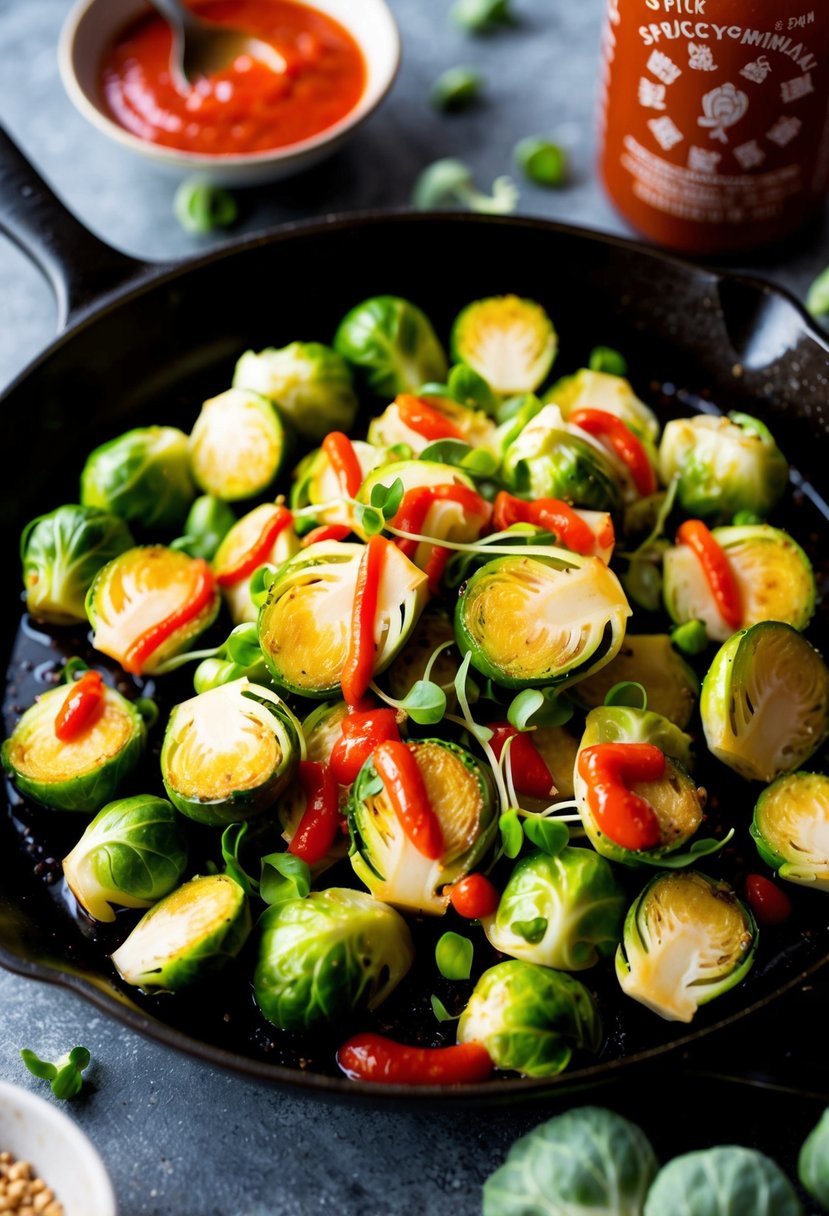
(359, 660)
(718, 571)
(400, 773)
(148, 642)
(260, 550)
(320, 820)
(362, 732)
(609, 769)
(246, 107)
(554, 516)
(373, 1057)
(82, 707)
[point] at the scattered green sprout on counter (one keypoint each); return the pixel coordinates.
(450, 181)
(201, 207)
(65, 1076)
(456, 89)
(542, 162)
(482, 16)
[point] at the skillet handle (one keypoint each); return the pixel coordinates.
(79, 267)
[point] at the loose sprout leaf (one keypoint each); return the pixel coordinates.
(523, 707)
(284, 877)
(606, 359)
(446, 451)
(79, 1058)
(68, 1083)
(232, 839)
(201, 207)
(73, 669)
(627, 692)
(37, 1067)
(441, 1012)
(65, 1076)
(469, 388)
(679, 861)
(512, 833)
(425, 703)
(260, 584)
(546, 834)
(691, 638)
(450, 181)
(387, 499)
(242, 646)
(542, 161)
(531, 930)
(480, 462)
(369, 519)
(453, 955)
(456, 88)
(817, 301)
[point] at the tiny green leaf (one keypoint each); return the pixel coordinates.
(387, 499)
(542, 161)
(441, 1012)
(523, 707)
(546, 834)
(425, 703)
(482, 16)
(456, 88)
(201, 207)
(242, 646)
(629, 693)
(535, 707)
(284, 877)
(39, 1068)
(68, 1083)
(260, 584)
(691, 638)
(532, 931)
(79, 1058)
(65, 1076)
(469, 388)
(369, 519)
(606, 359)
(453, 955)
(446, 451)
(512, 833)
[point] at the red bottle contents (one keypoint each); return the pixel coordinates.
(715, 118)
(247, 107)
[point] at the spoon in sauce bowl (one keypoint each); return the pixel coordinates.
(201, 48)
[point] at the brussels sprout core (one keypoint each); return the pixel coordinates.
(791, 828)
(687, 939)
(509, 341)
(237, 445)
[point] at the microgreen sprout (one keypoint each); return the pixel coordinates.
(542, 161)
(453, 955)
(456, 88)
(65, 1075)
(201, 207)
(450, 181)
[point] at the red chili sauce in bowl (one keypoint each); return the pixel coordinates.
(247, 107)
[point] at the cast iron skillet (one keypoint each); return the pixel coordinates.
(142, 344)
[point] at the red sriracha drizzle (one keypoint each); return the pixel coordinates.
(411, 517)
(343, 459)
(474, 897)
(359, 660)
(373, 1057)
(82, 707)
(422, 417)
(530, 773)
(362, 732)
(609, 769)
(630, 449)
(144, 645)
(258, 554)
(717, 569)
(398, 769)
(552, 515)
(325, 532)
(321, 818)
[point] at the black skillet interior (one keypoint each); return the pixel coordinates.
(156, 350)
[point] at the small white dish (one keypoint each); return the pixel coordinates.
(92, 24)
(35, 1130)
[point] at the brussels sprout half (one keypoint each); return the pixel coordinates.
(675, 798)
(534, 621)
(551, 459)
(395, 344)
(154, 597)
(322, 729)
(774, 578)
(229, 753)
(237, 445)
(445, 520)
(316, 482)
(244, 542)
(189, 935)
(61, 554)
(142, 476)
(324, 958)
(132, 854)
(460, 793)
(722, 1181)
(304, 625)
(765, 701)
(509, 341)
(564, 911)
(83, 773)
(687, 939)
(309, 382)
(648, 659)
(791, 828)
(595, 390)
(475, 427)
(531, 1019)
(723, 465)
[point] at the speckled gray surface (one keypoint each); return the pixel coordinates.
(177, 1136)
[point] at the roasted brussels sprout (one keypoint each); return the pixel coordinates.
(648, 659)
(189, 935)
(316, 482)
(533, 621)
(813, 1162)
(208, 522)
(322, 729)
(470, 426)
(237, 445)
(551, 459)
(596, 390)
(304, 624)
(791, 828)
(673, 797)
(724, 465)
(61, 554)
(393, 341)
(564, 912)
(722, 1181)
(132, 854)
(687, 939)
(460, 793)
(509, 341)
(142, 476)
(773, 574)
(586, 1162)
(309, 382)
(265, 536)
(765, 701)
(531, 1019)
(323, 958)
(229, 753)
(83, 773)
(148, 605)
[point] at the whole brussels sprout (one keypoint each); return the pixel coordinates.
(394, 342)
(813, 1162)
(531, 1019)
(309, 382)
(509, 341)
(791, 828)
(142, 476)
(325, 957)
(564, 911)
(587, 1162)
(132, 853)
(722, 1181)
(597, 390)
(208, 523)
(61, 554)
(551, 459)
(237, 445)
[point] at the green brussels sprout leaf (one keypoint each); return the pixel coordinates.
(469, 388)
(813, 1162)
(721, 1181)
(208, 523)
(453, 955)
(546, 834)
(606, 359)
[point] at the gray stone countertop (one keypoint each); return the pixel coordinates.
(177, 1136)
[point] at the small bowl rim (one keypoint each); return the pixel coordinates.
(181, 157)
(59, 1124)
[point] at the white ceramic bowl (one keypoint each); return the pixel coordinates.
(35, 1130)
(92, 24)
